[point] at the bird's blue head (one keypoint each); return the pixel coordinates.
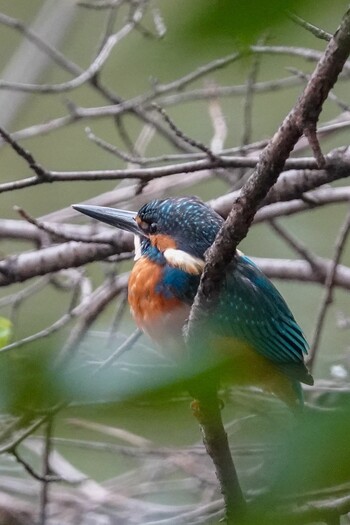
(181, 229)
(182, 223)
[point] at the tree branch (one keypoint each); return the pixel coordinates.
(270, 165)
(303, 116)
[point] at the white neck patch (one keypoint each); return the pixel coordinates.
(184, 261)
(137, 244)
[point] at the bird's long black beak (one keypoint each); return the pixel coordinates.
(119, 218)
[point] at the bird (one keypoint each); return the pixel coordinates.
(251, 329)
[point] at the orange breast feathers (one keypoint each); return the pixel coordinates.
(161, 317)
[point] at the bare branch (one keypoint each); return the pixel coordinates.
(296, 245)
(28, 157)
(124, 347)
(304, 115)
(104, 294)
(207, 411)
(44, 494)
(329, 286)
(19, 268)
(83, 77)
(316, 31)
(136, 124)
(194, 143)
(47, 478)
(294, 185)
(42, 44)
(336, 168)
(269, 167)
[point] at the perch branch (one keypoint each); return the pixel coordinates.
(303, 116)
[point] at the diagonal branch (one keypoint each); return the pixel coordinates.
(302, 117)
(270, 165)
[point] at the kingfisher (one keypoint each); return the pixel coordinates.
(251, 327)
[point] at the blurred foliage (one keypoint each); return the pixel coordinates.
(281, 459)
(316, 455)
(28, 383)
(241, 22)
(278, 457)
(5, 331)
(308, 468)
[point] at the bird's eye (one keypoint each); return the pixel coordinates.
(153, 228)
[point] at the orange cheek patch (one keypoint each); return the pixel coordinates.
(162, 242)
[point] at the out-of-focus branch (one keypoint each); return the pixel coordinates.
(293, 184)
(296, 245)
(311, 201)
(55, 55)
(79, 310)
(300, 270)
(53, 21)
(102, 296)
(337, 166)
(24, 266)
(329, 286)
(319, 33)
(84, 76)
(19, 268)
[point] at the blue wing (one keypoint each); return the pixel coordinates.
(251, 309)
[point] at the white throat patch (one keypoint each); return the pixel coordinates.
(137, 244)
(184, 261)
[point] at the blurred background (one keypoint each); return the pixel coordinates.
(172, 40)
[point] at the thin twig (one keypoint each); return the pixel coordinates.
(86, 75)
(194, 143)
(147, 174)
(28, 157)
(108, 30)
(101, 4)
(54, 327)
(124, 347)
(106, 146)
(248, 107)
(332, 96)
(44, 495)
(329, 287)
(17, 297)
(95, 83)
(117, 318)
(248, 101)
(108, 291)
(316, 31)
(47, 478)
(215, 91)
(218, 120)
(297, 246)
(58, 232)
(310, 133)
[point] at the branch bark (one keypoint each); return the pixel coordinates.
(304, 114)
(301, 119)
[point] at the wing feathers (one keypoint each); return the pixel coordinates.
(253, 310)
